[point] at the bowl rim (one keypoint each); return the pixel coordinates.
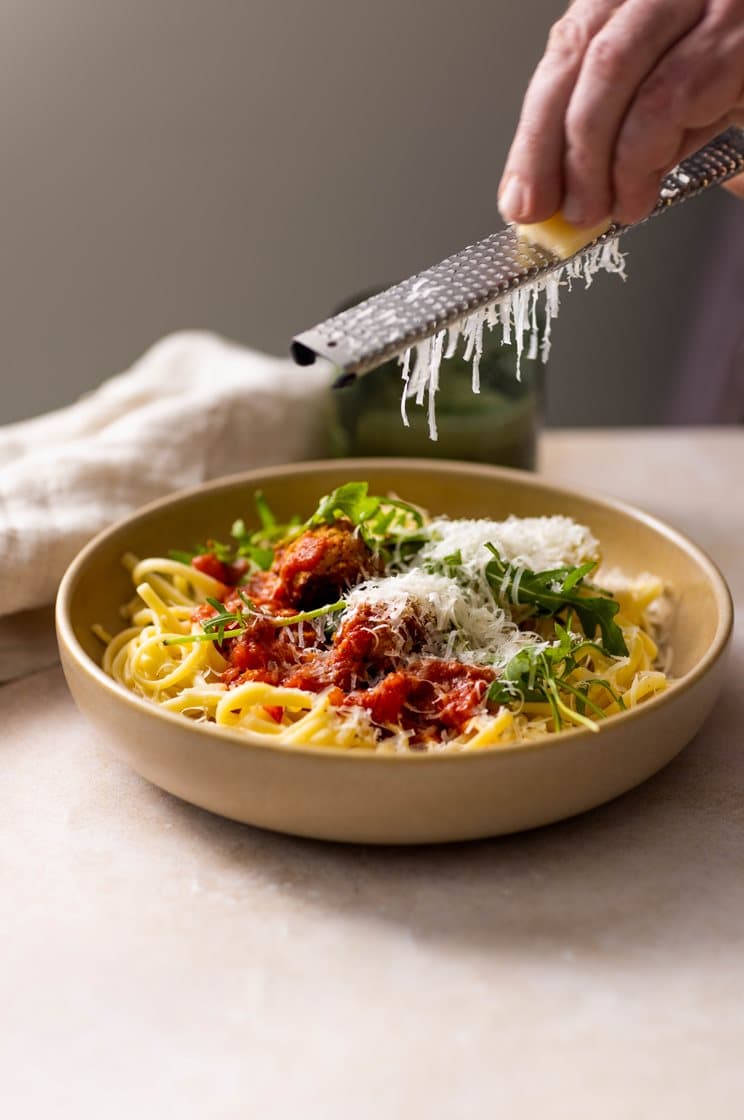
(69, 643)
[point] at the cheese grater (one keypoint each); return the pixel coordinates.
(385, 325)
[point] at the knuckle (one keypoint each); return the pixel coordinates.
(725, 17)
(712, 87)
(658, 96)
(626, 166)
(625, 170)
(528, 149)
(568, 39)
(581, 156)
(607, 59)
(583, 122)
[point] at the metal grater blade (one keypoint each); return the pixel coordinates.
(370, 333)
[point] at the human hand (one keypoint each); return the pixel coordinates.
(625, 89)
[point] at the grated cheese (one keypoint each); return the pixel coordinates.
(456, 620)
(539, 543)
(457, 612)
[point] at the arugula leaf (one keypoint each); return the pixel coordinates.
(556, 590)
(447, 566)
(350, 501)
(383, 523)
(215, 629)
(268, 521)
(181, 556)
(538, 674)
(255, 545)
(259, 545)
(263, 558)
(224, 552)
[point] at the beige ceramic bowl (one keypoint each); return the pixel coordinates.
(362, 796)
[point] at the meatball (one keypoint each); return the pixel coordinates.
(372, 641)
(365, 646)
(316, 567)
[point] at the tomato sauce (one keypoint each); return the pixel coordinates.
(368, 662)
(428, 697)
(229, 574)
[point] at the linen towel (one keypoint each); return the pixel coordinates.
(194, 407)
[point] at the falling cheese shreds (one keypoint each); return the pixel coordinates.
(516, 312)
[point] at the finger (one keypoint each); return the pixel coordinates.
(646, 190)
(694, 138)
(617, 60)
(532, 185)
(685, 99)
(736, 186)
(692, 141)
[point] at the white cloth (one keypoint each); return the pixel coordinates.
(194, 407)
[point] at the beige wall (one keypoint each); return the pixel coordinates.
(242, 166)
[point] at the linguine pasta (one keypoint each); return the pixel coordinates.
(373, 626)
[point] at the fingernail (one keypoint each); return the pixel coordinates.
(573, 211)
(513, 199)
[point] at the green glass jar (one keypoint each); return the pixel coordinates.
(497, 425)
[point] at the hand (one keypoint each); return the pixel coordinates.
(625, 89)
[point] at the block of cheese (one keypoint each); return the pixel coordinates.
(561, 237)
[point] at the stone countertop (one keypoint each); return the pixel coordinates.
(158, 960)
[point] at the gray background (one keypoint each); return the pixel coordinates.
(243, 166)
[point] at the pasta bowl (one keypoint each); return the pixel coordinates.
(371, 797)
